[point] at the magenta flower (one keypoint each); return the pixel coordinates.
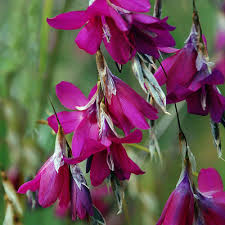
(52, 180)
(113, 158)
(206, 97)
(211, 197)
(122, 32)
(149, 35)
(102, 23)
(127, 109)
(80, 202)
(189, 78)
(179, 208)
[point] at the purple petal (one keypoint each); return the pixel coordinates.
(134, 137)
(64, 197)
(50, 186)
(133, 5)
(90, 36)
(124, 166)
(69, 95)
(68, 120)
(118, 44)
(99, 168)
(216, 103)
(194, 104)
(32, 185)
(69, 20)
(209, 181)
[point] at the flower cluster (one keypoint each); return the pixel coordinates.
(114, 114)
(120, 25)
(203, 206)
(188, 76)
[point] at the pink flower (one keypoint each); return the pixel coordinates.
(122, 31)
(52, 180)
(102, 23)
(211, 197)
(179, 208)
(80, 202)
(127, 109)
(189, 78)
(113, 158)
(149, 35)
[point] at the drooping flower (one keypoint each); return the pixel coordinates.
(102, 23)
(179, 208)
(189, 78)
(122, 31)
(127, 109)
(113, 158)
(211, 197)
(52, 180)
(149, 35)
(81, 202)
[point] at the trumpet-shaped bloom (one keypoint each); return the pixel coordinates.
(211, 197)
(111, 158)
(122, 32)
(102, 23)
(150, 35)
(127, 109)
(52, 180)
(179, 209)
(188, 78)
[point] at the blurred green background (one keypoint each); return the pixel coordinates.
(35, 57)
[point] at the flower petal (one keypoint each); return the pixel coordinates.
(118, 44)
(32, 185)
(68, 120)
(133, 5)
(50, 186)
(134, 137)
(69, 95)
(124, 166)
(209, 181)
(69, 20)
(90, 37)
(99, 168)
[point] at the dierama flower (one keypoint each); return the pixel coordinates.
(127, 109)
(81, 202)
(52, 180)
(149, 35)
(102, 23)
(113, 158)
(179, 208)
(211, 197)
(188, 77)
(122, 31)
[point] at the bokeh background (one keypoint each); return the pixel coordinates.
(35, 57)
